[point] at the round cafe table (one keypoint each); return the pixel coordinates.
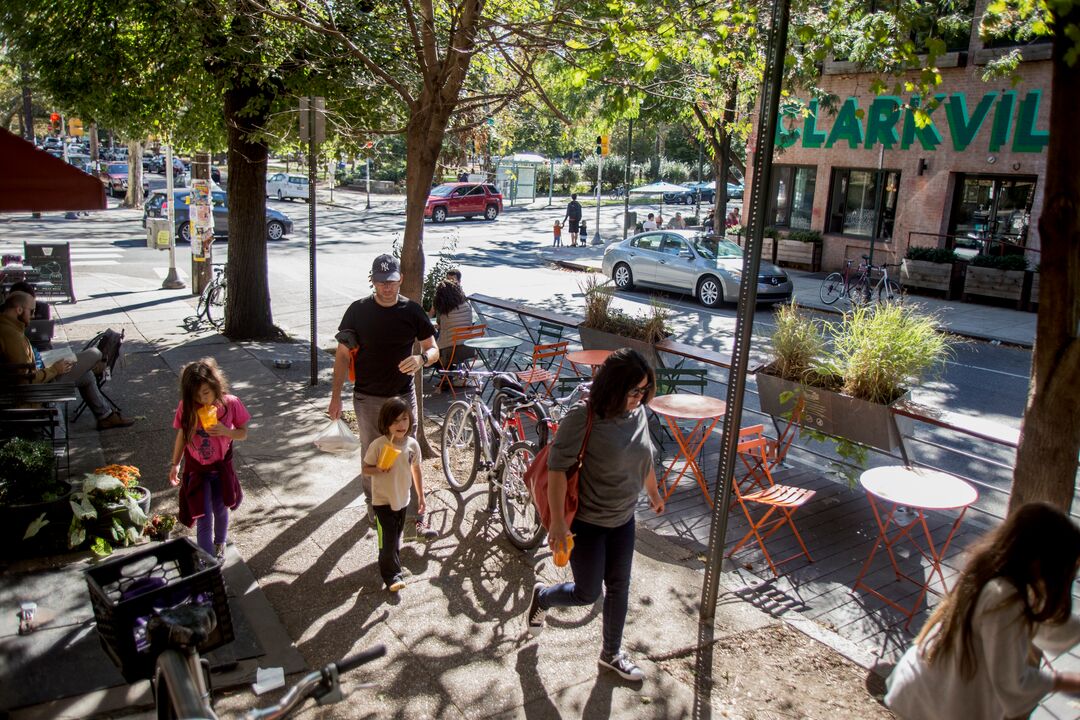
(592, 358)
(920, 489)
(495, 352)
(705, 412)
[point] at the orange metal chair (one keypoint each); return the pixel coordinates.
(458, 336)
(757, 488)
(547, 365)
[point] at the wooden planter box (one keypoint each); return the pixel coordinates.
(766, 247)
(927, 275)
(797, 252)
(835, 414)
(990, 282)
(593, 339)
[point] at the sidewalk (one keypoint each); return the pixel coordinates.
(302, 572)
(972, 320)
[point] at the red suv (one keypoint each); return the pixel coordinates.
(463, 199)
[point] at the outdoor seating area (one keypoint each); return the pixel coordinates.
(852, 557)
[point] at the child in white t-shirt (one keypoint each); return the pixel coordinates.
(390, 481)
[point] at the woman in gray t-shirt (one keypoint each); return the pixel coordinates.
(617, 464)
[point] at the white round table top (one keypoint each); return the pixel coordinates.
(688, 406)
(918, 487)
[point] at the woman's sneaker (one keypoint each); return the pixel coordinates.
(536, 614)
(219, 551)
(424, 530)
(621, 663)
(398, 583)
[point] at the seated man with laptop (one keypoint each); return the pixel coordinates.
(15, 349)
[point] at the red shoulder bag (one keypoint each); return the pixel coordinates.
(536, 478)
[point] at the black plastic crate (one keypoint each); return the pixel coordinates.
(126, 591)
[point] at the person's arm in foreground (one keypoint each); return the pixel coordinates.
(175, 458)
(653, 491)
(341, 371)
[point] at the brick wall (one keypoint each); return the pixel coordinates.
(924, 201)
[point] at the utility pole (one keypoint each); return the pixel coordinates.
(697, 208)
(367, 180)
(312, 129)
(28, 105)
(172, 280)
(626, 196)
(551, 182)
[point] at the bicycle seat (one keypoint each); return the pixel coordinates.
(866, 257)
(506, 381)
(182, 626)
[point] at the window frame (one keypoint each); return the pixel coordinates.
(770, 209)
(880, 178)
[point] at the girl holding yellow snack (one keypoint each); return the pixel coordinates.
(393, 461)
(208, 420)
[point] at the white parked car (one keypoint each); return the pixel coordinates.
(284, 186)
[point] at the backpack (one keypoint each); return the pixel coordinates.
(108, 342)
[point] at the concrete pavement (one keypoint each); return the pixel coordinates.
(456, 639)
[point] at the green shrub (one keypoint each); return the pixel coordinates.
(599, 315)
(796, 343)
(1000, 262)
(807, 236)
(931, 254)
(771, 232)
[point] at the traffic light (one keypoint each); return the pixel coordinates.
(75, 127)
(54, 123)
(599, 144)
(605, 145)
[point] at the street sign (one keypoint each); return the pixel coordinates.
(75, 127)
(320, 119)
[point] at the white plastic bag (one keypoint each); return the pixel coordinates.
(336, 437)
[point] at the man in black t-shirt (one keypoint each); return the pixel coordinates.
(573, 214)
(375, 339)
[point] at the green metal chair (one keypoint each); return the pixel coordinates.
(672, 380)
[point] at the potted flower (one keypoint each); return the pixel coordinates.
(129, 475)
(608, 328)
(851, 372)
(31, 494)
(999, 276)
(800, 247)
(930, 268)
(160, 526)
(106, 514)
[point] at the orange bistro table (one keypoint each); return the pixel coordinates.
(705, 411)
(919, 489)
(592, 358)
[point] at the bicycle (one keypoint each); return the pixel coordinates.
(885, 289)
(474, 439)
(837, 285)
(212, 300)
(173, 618)
(617, 193)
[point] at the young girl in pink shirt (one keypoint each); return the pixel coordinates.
(207, 421)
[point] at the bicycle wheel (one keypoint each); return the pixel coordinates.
(889, 292)
(215, 304)
(521, 521)
(460, 446)
(860, 292)
(832, 287)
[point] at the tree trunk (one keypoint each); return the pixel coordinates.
(134, 197)
(423, 141)
(1046, 461)
(247, 312)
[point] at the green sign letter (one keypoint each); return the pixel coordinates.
(1026, 138)
(881, 122)
(847, 126)
(1003, 117)
(962, 128)
(812, 137)
(928, 136)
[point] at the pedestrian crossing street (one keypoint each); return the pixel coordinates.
(87, 256)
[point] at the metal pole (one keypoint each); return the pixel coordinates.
(596, 239)
(312, 159)
(626, 196)
(330, 168)
(697, 207)
(551, 181)
(744, 321)
(367, 177)
(172, 280)
(28, 105)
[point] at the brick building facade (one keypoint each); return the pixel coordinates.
(864, 172)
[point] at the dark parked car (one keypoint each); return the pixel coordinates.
(115, 177)
(463, 199)
(278, 225)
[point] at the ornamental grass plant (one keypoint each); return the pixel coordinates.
(880, 350)
(797, 344)
(600, 315)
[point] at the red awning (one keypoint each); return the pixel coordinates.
(32, 180)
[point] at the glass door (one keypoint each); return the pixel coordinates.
(990, 212)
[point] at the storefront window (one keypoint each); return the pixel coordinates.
(991, 210)
(791, 201)
(864, 202)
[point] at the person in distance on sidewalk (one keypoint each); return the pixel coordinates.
(617, 464)
(15, 349)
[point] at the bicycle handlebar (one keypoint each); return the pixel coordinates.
(366, 656)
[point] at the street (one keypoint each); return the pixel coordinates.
(496, 258)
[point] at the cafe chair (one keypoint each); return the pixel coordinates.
(549, 332)
(779, 502)
(459, 354)
(546, 367)
(109, 342)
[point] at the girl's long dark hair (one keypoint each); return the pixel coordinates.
(192, 378)
(448, 295)
(1036, 549)
(621, 372)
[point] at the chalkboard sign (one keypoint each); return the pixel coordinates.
(52, 269)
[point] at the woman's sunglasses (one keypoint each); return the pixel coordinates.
(640, 391)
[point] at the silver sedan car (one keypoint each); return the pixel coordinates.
(687, 261)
